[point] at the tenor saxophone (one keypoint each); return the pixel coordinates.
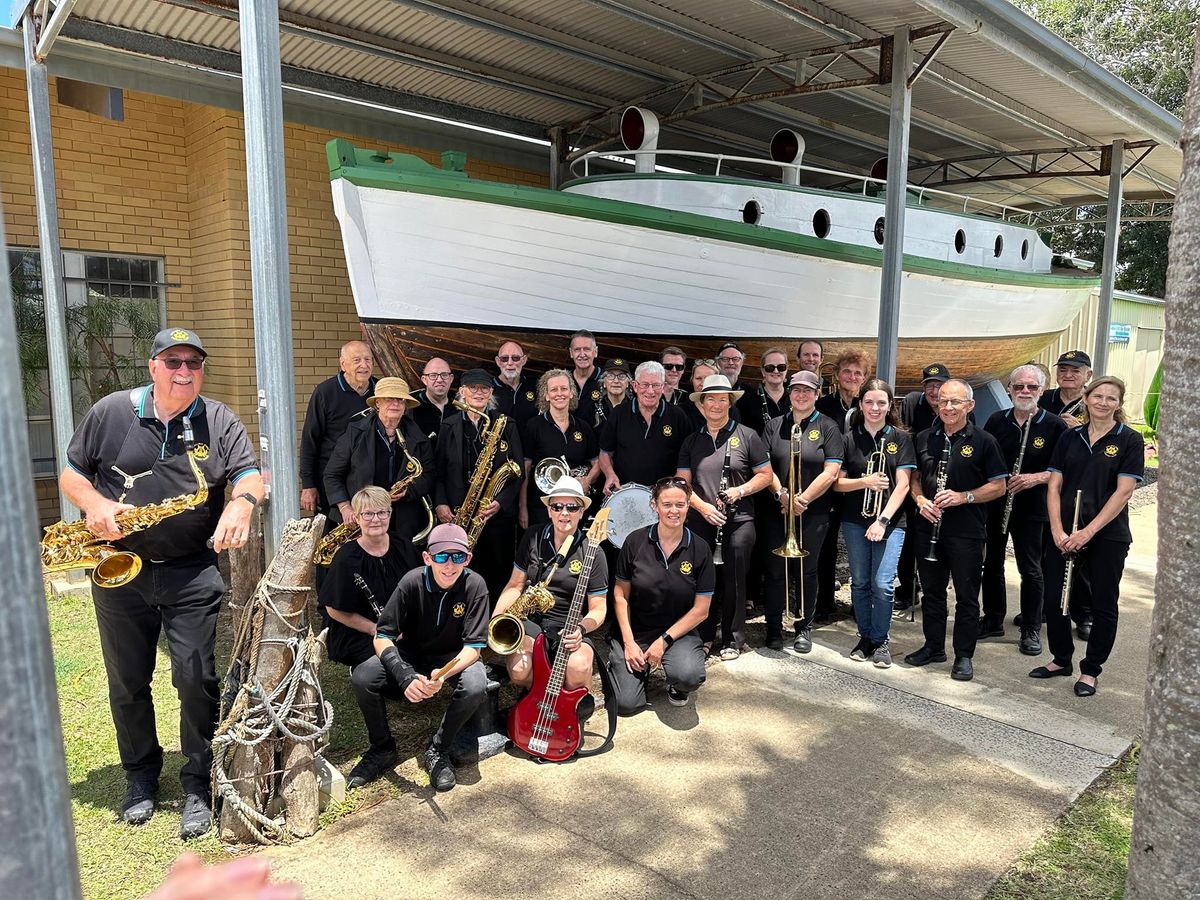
(70, 545)
(485, 483)
(349, 531)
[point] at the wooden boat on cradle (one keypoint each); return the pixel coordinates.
(442, 264)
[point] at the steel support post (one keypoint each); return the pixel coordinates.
(54, 295)
(897, 197)
(37, 855)
(1108, 264)
(263, 105)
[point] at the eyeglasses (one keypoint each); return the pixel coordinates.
(438, 375)
(174, 362)
(374, 514)
(1025, 387)
(647, 385)
(458, 557)
(730, 359)
(565, 507)
(781, 367)
(510, 358)
(953, 402)
(674, 367)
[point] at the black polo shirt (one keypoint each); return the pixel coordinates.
(975, 459)
(358, 582)
(661, 589)
(122, 432)
(432, 624)
(534, 556)
(704, 458)
(916, 413)
(330, 408)
(428, 417)
(756, 408)
(1094, 469)
(590, 393)
(899, 453)
(831, 405)
(676, 396)
(642, 453)
(1052, 401)
(1044, 431)
(519, 403)
(823, 442)
(542, 437)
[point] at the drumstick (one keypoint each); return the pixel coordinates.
(441, 673)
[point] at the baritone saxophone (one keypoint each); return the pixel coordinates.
(487, 480)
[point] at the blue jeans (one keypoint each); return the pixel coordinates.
(873, 567)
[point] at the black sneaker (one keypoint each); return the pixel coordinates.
(140, 800)
(1031, 642)
(196, 820)
(861, 650)
(803, 642)
(441, 772)
(374, 764)
(882, 657)
(676, 697)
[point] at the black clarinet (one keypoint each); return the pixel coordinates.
(361, 584)
(722, 506)
(762, 393)
(942, 476)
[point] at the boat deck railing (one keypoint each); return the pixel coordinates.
(983, 207)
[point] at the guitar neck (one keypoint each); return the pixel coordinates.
(574, 617)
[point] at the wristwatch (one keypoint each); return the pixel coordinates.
(970, 497)
(667, 640)
(885, 521)
(249, 498)
(778, 494)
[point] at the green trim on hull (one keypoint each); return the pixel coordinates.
(405, 172)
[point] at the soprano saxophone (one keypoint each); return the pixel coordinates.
(485, 483)
(349, 531)
(71, 545)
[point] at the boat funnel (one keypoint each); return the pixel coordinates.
(639, 131)
(787, 146)
(878, 171)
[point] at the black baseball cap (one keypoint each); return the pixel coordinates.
(729, 345)
(176, 337)
(1076, 358)
(616, 364)
(935, 372)
(475, 377)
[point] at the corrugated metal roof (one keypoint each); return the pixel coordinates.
(553, 63)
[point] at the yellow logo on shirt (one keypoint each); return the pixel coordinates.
(459, 610)
(529, 395)
(893, 447)
(685, 567)
(200, 451)
(578, 436)
(667, 431)
(179, 335)
(968, 451)
(595, 395)
(1111, 450)
(1039, 442)
(575, 567)
(813, 435)
(735, 442)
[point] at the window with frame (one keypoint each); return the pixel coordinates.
(114, 306)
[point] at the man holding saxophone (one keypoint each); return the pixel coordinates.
(136, 448)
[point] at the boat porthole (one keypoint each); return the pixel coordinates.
(999, 246)
(821, 223)
(1025, 249)
(879, 230)
(751, 212)
(960, 241)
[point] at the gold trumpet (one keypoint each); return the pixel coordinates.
(872, 503)
(505, 631)
(793, 544)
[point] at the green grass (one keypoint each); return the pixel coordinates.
(1085, 855)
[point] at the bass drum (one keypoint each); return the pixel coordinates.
(628, 510)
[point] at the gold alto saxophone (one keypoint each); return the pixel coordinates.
(70, 545)
(485, 483)
(505, 631)
(349, 531)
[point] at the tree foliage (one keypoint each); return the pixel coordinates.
(1147, 43)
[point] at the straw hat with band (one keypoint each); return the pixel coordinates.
(566, 486)
(716, 384)
(394, 389)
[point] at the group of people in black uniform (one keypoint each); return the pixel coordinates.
(920, 494)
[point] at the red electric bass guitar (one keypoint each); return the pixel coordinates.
(545, 722)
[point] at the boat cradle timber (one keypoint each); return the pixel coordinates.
(443, 264)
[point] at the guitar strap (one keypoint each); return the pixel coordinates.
(610, 707)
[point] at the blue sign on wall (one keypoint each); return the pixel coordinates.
(1119, 333)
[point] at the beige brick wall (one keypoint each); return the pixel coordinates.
(170, 181)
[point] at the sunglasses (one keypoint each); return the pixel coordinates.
(375, 514)
(674, 367)
(565, 507)
(458, 557)
(1025, 387)
(780, 367)
(510, 358)
(671, 481)
(174, 362)
(711, 363)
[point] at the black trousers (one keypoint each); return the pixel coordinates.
(728, 608)
(961, 560)
(682, 663)
(827, 561)
(372, 684)
(1028, 538)
(1101, 564)
(906, 589)
(801, 580)
(494, 553)
(182, 598)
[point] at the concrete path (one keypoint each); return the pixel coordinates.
(788, 777)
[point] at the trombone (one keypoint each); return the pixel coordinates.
(793, 543)
(872, 503)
